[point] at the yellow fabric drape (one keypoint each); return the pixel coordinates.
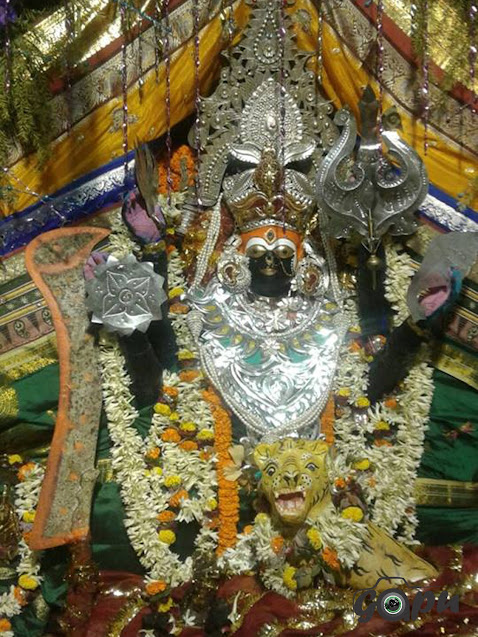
(93, 143)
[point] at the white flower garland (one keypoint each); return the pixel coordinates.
(143, 490)
(27, 492)
(394, 468)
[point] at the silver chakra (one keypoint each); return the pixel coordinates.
(125, 295)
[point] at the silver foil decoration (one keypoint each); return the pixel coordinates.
(365, 192)
(125, 295)
(272, 359)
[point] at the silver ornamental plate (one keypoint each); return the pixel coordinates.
(125, 295)
(273, 360)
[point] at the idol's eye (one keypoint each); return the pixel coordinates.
(284, 252)
(270, 470)
(256, 252)
(311, 466)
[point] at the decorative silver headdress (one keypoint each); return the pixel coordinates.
(251, 112)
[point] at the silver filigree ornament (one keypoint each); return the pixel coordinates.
(233, 268)
(363, 190)
(125, 295)
(311, 275)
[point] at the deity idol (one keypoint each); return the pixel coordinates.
(278, 440)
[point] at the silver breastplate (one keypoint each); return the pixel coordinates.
(272, 360)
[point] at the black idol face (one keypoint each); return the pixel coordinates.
(272, 265)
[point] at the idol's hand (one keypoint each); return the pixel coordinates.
(139, 222)
(95, 259)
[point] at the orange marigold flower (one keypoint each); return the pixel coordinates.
(247, 530)
(179, 308)
(330, 557)
(25, 470)
(372, 482)
(188, 375)
(166, 516)
(205, 455)
(170, 435)
(176, 499)
(4, 625)
(189, 445)
(355, 346)
(19, 596)
(153, 454)
(382, 443)
(340, 483)
(153, 588)
(211, 396)
(277, 543)
(170, 391)
(391, 403)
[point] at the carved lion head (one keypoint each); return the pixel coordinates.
(294, 477)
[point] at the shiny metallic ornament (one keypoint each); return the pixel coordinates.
(273, 360)
(312, 276)
(268, 65)
(125, 295)
(364, 191)
(233, 269)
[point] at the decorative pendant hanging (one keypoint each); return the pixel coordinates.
(124, 88)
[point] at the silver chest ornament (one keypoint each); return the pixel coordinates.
(272, 360)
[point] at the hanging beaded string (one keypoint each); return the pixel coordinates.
(124, 88)
(380, 67)
(157, 36)
(140, 60)
(197, 99)
(320, 42)
(426, 78)
(45, 199)
(70, 36)
(282, 90)
(8, 50)
(473, 12)
(167, 62)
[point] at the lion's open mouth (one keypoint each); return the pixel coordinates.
(289, 503)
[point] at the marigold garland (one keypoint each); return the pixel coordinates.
(228, 492)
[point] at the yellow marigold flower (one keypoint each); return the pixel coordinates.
(356, 329)
(172, 481)
(14, 458)
(157, 470)
(344, 392)
(177, 291)
(261, 518)
(29, 517)
(212, 504)
(27, 583)
(174, 416)
(382, 425)
(162, 408)
(185, 355)
(167, 536)
(166, 606)
(188, 426)
(288, 577)
(363, 402)
(170, 231)
(362, 465)
(314, 538)
(353, 513)
(205, 434)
